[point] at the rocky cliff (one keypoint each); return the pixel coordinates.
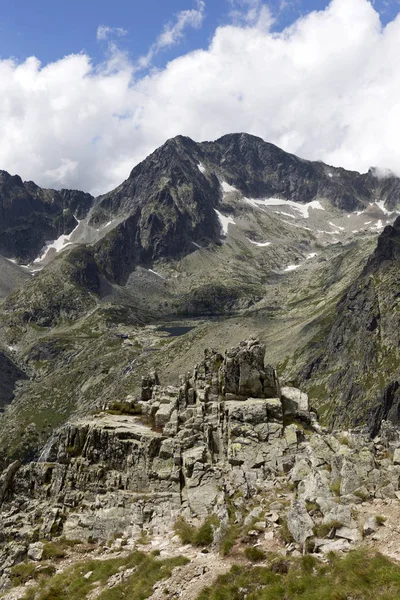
(358, 362)
(30, 215)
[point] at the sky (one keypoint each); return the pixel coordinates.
(90, 88)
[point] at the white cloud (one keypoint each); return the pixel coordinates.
(104, 32)
(326, 88)
(173, 32)
(252, 13)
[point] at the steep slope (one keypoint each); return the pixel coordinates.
(30, 215)
(357, 365)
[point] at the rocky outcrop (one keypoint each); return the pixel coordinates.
(196, 449)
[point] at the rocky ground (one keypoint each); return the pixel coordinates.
(228, 460)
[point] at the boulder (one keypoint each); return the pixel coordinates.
(370, 526)
(299, 522)
(35, 551)
(293, 401)
(352, 535)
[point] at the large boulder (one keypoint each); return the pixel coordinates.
(293, 401)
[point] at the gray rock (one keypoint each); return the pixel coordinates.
(370, 526)
(294, 401)
(353, 535)
(35, 551)
(299, 522)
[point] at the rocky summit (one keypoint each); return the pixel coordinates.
(199, 371)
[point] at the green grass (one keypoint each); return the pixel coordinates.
(358, 576)
(254, 554)
(26, 571)
(71, 584)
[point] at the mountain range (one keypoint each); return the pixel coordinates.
(221, 240)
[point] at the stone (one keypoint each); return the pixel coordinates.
(339, 514)
(353, 535)
(35, 551)
(244, 374)
(293, 401)
(326, 546)
(299, 522)
(274, 409)
(370, 526)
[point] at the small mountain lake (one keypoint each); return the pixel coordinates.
(175, 331)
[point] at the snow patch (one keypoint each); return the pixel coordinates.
(106, 225)
(225, 221)
(367, 222)
(155, 273)
(279, 212)
(381, 204)
(312, 255)
(379, 225)
(301, 208)
(337, 226)
(226, 188)
(201, 167)
(292, 268)
(59, 244)
(260, 244)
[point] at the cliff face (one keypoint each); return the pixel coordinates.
(358, 364)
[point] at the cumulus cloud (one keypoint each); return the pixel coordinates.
(325, 88)
(104, 32)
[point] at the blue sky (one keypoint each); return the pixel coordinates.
(52, 29)
(88, 88)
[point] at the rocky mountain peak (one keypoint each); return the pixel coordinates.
(388, 247)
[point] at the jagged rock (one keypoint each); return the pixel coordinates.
(299, 522)
(244, 374)
(148, 384)
(192, 448)
(7, 477)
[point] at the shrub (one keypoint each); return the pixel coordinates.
(196, 536)
(124, 408)
(254, 554)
